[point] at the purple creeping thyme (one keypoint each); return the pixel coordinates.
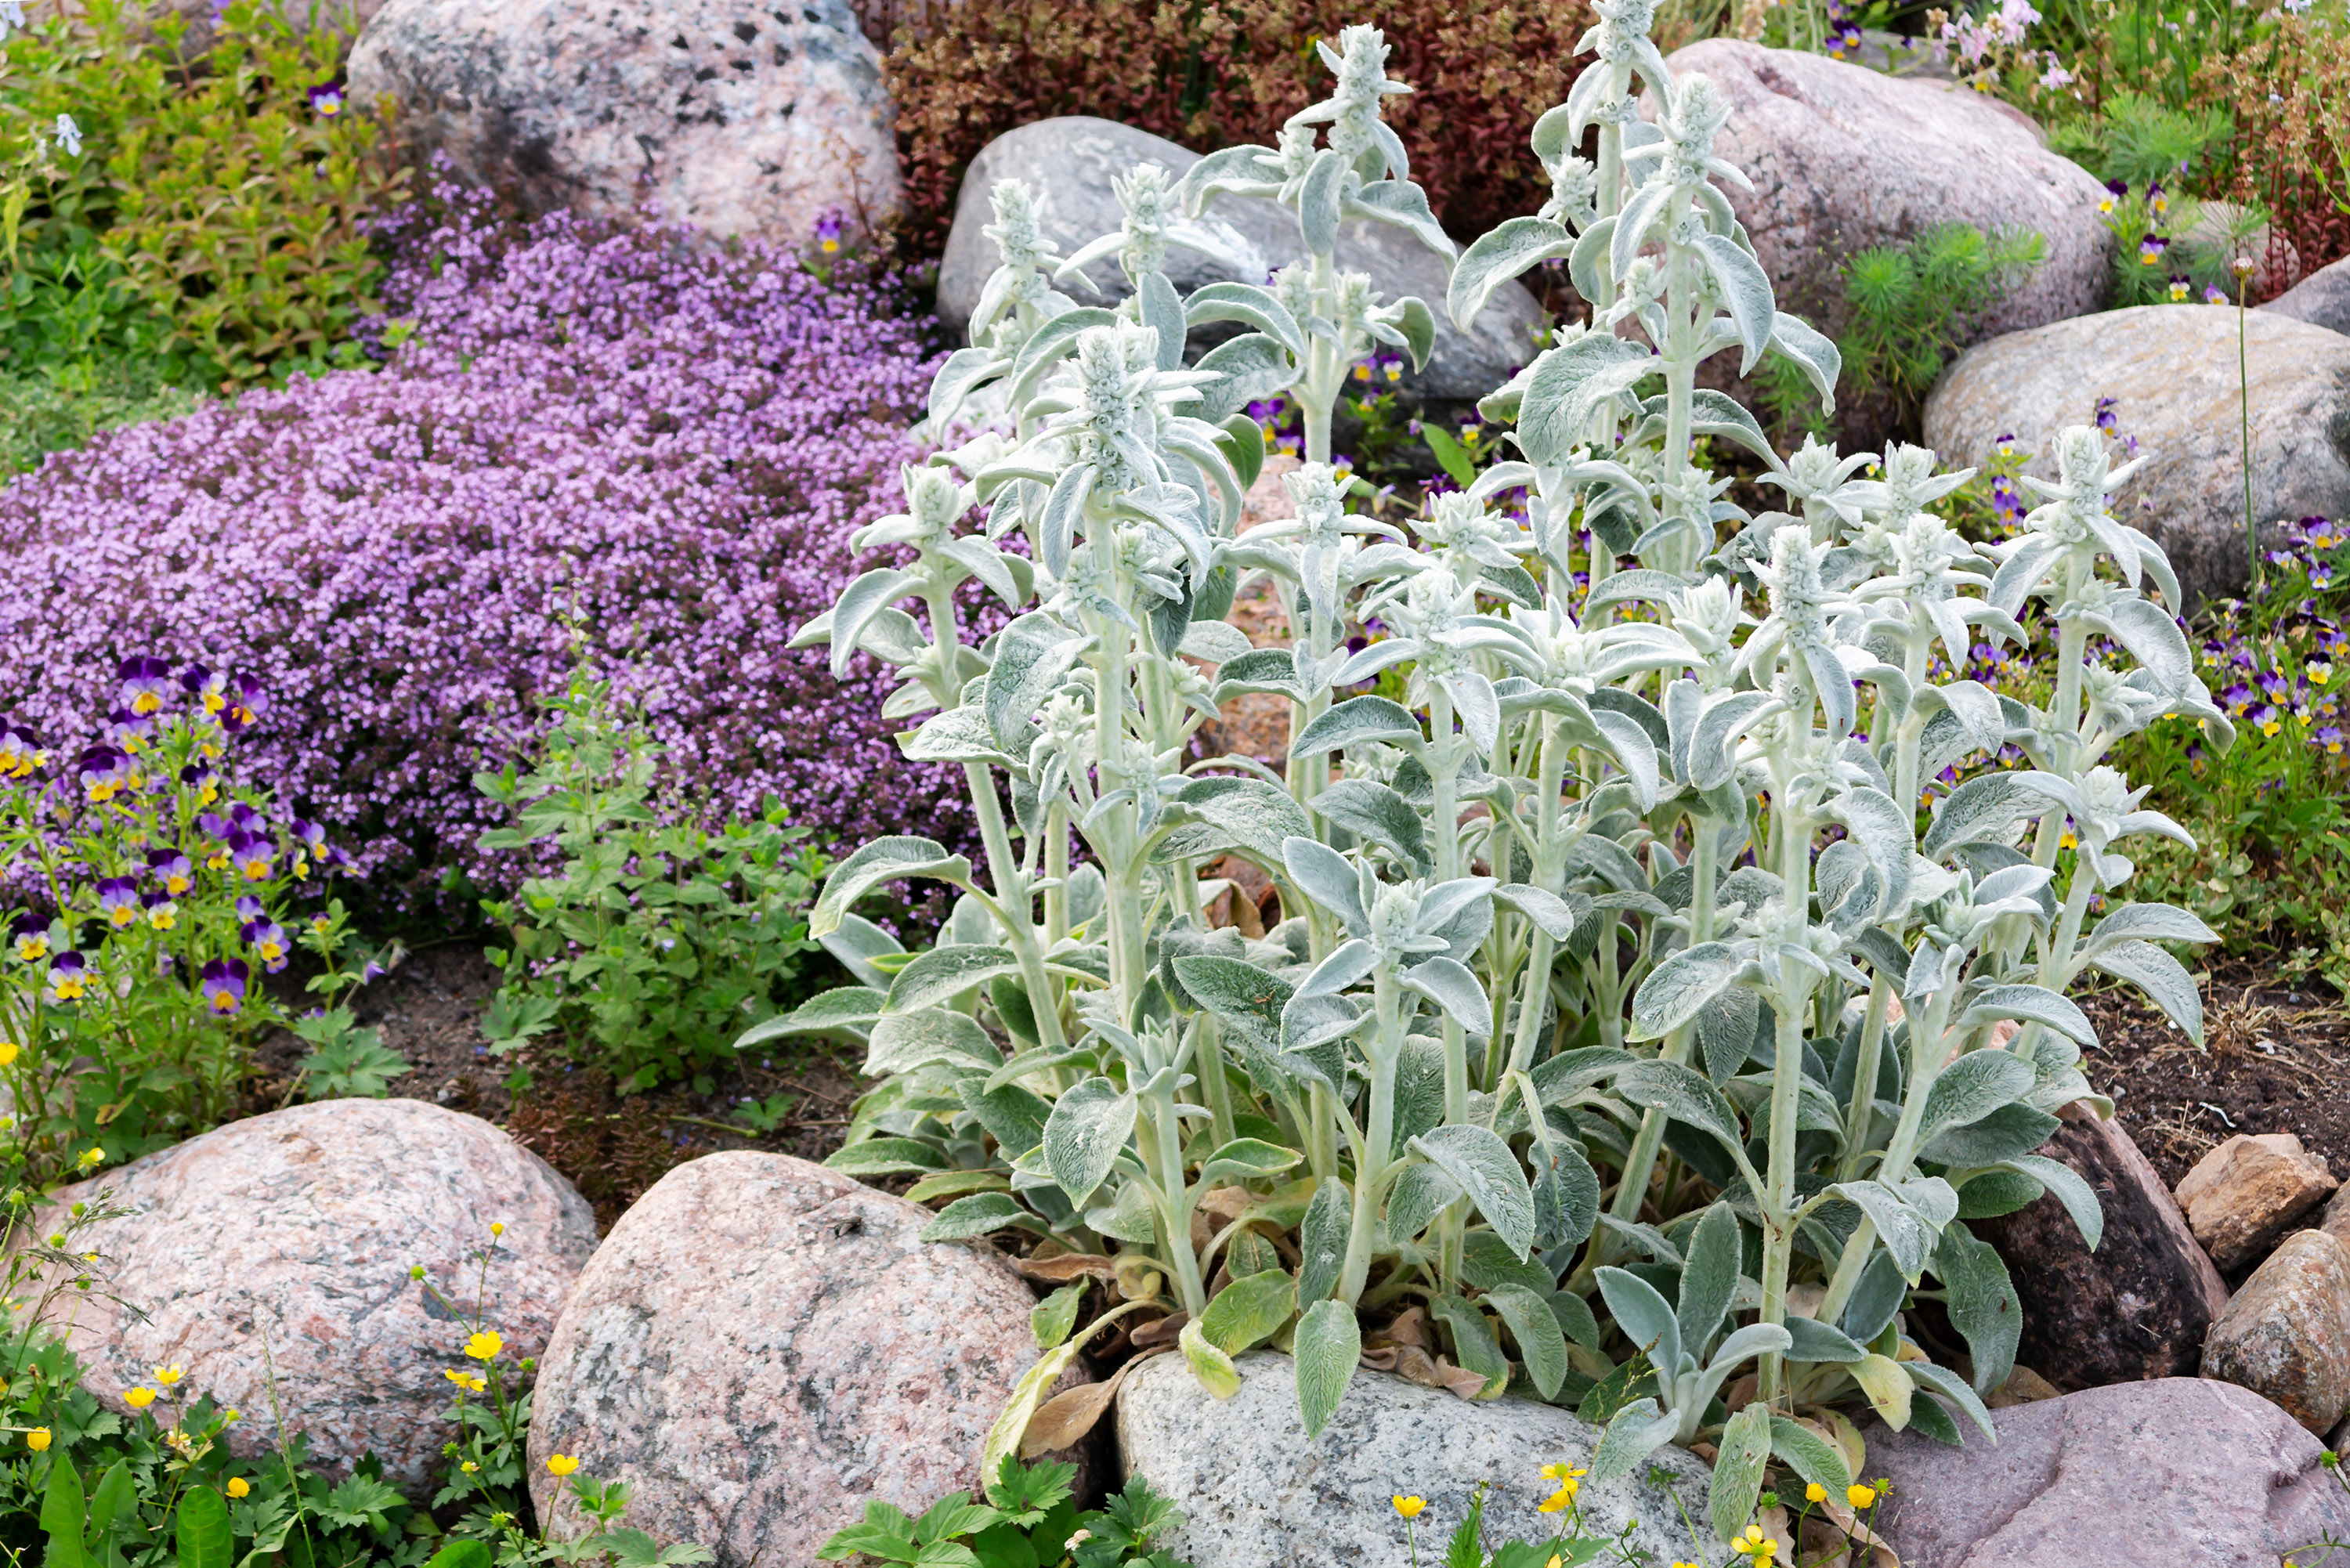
(669, 444)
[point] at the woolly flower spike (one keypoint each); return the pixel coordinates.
(1019, 237)
(1149, 205)
(1353, 107)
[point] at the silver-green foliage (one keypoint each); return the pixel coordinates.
(1586, 991)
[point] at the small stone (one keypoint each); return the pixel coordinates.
(285, 1240)
(2023, 1386)
(1256, 1492)
(2177, 1470)
(761, 1347)
(1070, 161)
(2140, 1304)
(2251, 1190)
(2322, 299)
(2286, 1334)
(753, 121)
(2173, 371)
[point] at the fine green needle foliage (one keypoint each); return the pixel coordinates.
(2139, 139)
(1914, 304)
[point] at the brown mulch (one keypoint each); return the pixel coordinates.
(612, 1146)
(2275, 1059)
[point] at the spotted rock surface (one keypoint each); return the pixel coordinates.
(735, 120)
(2286, 1334)
(2175, 1471)
(294, 1233)
(762, 1345)
(1258, 1492)
(2251, 1190)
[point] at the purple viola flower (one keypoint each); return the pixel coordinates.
(206, 688)
(29, 939)
(2116, 190)
(201, 780)
(326, 100)
(146, 681)
(243, 815)
(2150, 249)
(103, 772)
(212, 824)
(68, 977)
(251, 855)
(828, 234)
(20, 751)
(162, 911)
(246, 703)
(249, 908)
(267, 939)
(223, 984)
(2328, 739)
(118, 901)
(171, 870)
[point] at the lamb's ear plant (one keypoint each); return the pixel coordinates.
(1584, 995)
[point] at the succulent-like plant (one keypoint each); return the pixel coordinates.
(1587, 985)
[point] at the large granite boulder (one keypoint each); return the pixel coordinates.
(2138, 1306)
(762, 1345)
(2177, 1470)
(2322, 299)
(287, 1241)
(750, 121)
(1257, 1492)
(2286, 1334)
(1070, 161)
(1845, 158)
(2173, 368)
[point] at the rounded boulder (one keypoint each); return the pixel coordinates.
(284, 1244)
(761, 1347)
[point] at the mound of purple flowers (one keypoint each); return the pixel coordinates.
(609, 436)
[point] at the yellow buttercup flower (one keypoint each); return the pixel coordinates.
(484, 1346)
(1561, 1473)
(167, 1376)
(1557, 1503)
(498, 1228)
(138, 1399)
(1816, 1492)
(1410, 1507)
(38, 1440)
(469, 1467)
(239, 1487)
(466, 1380)
(562, 1464)
(1859, 1496)
(9, 1050)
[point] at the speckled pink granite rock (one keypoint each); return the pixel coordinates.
(763, 1345)
(299, 1228)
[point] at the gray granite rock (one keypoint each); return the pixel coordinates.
(750, 121)
(2176, 1470)
(1070, 161)
(285, 1240)
(1843, 158)
(2322, 299)
(1258, 1493)
(2136, 1307)
(2286, 1333)
(761, 1347)
(2173, 370)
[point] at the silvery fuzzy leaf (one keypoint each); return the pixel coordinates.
(1327, 877)
(1479, 710)
(1326, 1346)
(1052, 342)
(1951, 1386)
(2013, 1129)
(2079, 1198)
(2153, 639)
(1989, 808)
(1909, 1217)
(1242, 170)
(1163, 311)
(1648, 1319)
(1676, 990)
(1633, 224)
(1568, 383)
(1883, 831)
(1242, 997)
(957, 735)
(1708, 1275)
(1485, 1169)
(1566, 1194)
(2163, 978)
(1541, 1345)
(1453, 986)
(1089, 1126)
(1404, 205)
(1418, 1195)
(1814, 354)
(2027, 1003)
(1588, 265)
(901, 1041)
(859, 603)
(1637, 1430)
(1746, 290)
(1318, 201)
(1214, 642)
(2024, 570)
(1496, 258)
(1377, 814)
(962, 370)
(1348, 962)
(2148, 922)
(1713, 413)
(1247, 302)
(1628, 743)
(1742, 1455)
(1248, 369)
(1057, 531)
(1713, 748)
(1358, 720)
(1547, 910)
(1972, 1088)
(1032, 655)
(882, 860)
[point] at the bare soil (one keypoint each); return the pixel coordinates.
(612, 1146)
(2275, 1059)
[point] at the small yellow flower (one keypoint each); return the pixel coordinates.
(1860, 1495)
(1561, 1473)
(484, 1346)
(498, 1228)
(1410, 1507)
(1753, 1541)
(167, 1376)
(140, 1398)
(469, 1467)
(239, 1487)
(562, 1464)
(466, 1380)
(1556, 1501)
(38, 1440)
(90, 1158)
(228, 1415)
(9, 1051)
